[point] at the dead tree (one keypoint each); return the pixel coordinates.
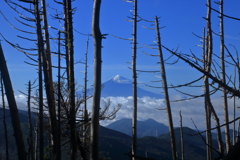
(134, 78)
(165, 88)
(181, 132)
(68, 11)
(85, 111)
(40, 85)
(97, 37)
(4, 118)
(224, 91)
(207, 66)
(234, 92)
(30, 140)
(209, 109)
(22, 155)
(59, 96)
(47, 70)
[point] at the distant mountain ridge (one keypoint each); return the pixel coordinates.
(119, 86)
(114, 144)
(148, 127)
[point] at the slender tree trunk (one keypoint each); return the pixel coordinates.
(234, 110)
(181, 132)
(219, 134)
(224, 91)
(47, 66)
(66, 35)
(40, 85)
(85, 111)
(134, 81)
(59, 97)
(212, 110)
(36, 140)
(97, 37)
(4, 118)
(167, 101)
(17, 131)
(31, 148)
(71, 83)
(47, 70)
(207, 67)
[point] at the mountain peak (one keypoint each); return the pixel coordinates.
(120, 79)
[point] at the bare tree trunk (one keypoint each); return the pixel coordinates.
(164, 85)
(66, 35)
(212, 110)
(47, 66)
(207, 68)
(224, 91)
(12, 107)
(134, 81)
(47, 70)
(4, 118)
(59, 97)
(181, 132)
(31, 148)
(97, 36)
(36, 140)
(85, 111)
(234, 110)
(40, 85)
(219, 134)
(71, 83)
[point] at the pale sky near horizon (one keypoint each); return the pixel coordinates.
(181, 18)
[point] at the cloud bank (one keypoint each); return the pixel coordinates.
(154, 108)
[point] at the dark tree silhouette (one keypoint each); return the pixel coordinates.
(17, 131)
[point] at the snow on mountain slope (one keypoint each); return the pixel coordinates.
(119, 86)
(120, 79)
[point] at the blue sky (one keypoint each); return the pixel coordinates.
(181, 18)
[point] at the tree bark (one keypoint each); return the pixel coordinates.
(224, 91)
(164, 85)
(4, 118)
(45, 59)
(22, 155)
(59, 97)
(134, 81)
(71, 82)
(40, 85)
(207, 68)
(97, 36)
(31, 148)
(181, 132)
(85, 111)
(219, 134)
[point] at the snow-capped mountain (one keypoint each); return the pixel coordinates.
(120, 86)
(120, 79)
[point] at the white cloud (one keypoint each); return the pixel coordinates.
(21, 101)
(148, 108)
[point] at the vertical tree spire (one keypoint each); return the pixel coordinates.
(97, 37)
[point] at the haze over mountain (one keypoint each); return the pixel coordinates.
(120, 86)
(148, 127)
